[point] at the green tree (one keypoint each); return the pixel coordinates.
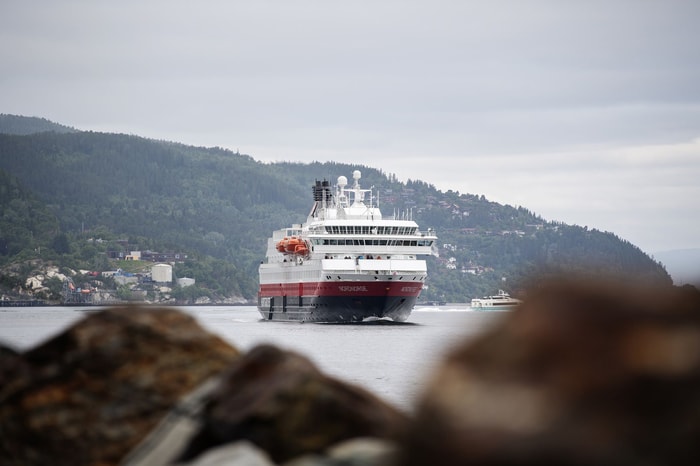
(60, 244)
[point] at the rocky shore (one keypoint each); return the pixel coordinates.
(578, 374)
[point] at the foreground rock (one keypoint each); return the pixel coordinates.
(279, 401)
(578, 375)
(90, 394)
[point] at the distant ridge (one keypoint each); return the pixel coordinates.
(22, 125)
(682, 264)
(219, 207)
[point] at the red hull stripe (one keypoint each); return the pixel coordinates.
(374, 288)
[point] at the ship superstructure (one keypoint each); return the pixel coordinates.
(346, 263)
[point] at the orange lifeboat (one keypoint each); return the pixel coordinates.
(293, 243)
(282, 244)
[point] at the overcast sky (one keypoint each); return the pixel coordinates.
(584, 112)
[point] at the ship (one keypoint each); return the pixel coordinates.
(348, 263)
(500, 302)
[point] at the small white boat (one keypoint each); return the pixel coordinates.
(500, 302)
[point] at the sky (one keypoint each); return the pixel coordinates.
(586, 113)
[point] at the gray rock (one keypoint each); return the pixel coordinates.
(232, 454)
(354, 452)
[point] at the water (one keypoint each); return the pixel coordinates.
(392, 361)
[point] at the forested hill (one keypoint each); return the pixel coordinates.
(220, 207)
(13, 124)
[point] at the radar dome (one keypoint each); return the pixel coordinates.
(342, 181)
(356, 175)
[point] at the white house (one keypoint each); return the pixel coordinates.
(162, 273)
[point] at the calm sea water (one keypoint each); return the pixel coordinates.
(393, 361)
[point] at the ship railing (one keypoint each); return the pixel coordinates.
(370, 266)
